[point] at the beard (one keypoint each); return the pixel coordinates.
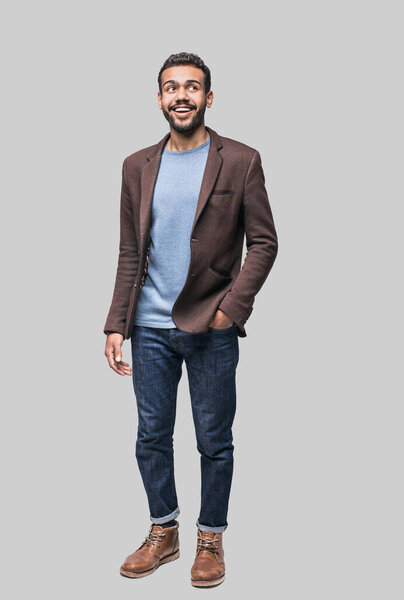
(190, 125)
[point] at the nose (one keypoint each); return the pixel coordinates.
(182, 93)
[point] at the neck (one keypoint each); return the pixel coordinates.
(187, 140)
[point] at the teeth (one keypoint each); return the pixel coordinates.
(182, 109)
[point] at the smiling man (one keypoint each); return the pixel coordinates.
(181, 293)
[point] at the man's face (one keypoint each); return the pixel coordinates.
(183, 99)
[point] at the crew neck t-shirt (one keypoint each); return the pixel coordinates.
(174, 203)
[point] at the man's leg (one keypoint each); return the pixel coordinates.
(156, 372)
(211, 361)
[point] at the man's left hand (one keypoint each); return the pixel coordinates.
(221, 320)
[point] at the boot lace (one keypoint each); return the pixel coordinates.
(204, 544)
(154, 538)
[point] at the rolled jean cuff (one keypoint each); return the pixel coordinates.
(214, 529)
(170, 517)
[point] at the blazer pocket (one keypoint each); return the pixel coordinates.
(221, 274)
(222, 193)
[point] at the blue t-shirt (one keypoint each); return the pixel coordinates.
(175, 198)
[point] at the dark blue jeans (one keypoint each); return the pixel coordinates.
(211, 359)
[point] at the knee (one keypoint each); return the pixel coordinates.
(151, 442)
(215, 449)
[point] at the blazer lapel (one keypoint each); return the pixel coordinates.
(212, 168)
(148, 181)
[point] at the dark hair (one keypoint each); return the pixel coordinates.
(186, 58)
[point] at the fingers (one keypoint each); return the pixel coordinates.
(120, 368)
(114, 357)
(123, 368)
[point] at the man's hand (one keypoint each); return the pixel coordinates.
(113, 353)
(220, 320)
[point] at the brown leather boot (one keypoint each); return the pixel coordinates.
(159, 547)
(208, 568)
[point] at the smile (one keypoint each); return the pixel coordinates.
(182, 110)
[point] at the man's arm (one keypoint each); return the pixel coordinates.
(128, 263)
(262, 246)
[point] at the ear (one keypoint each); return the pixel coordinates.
(209, 98)
(159, 99)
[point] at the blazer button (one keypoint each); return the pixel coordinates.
(192, 274)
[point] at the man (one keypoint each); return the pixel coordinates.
(186, 204)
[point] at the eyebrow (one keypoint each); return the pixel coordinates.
(187, 81)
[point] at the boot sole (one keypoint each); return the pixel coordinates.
(202, 583)
(164, 560)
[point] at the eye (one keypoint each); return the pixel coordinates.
(171, 87)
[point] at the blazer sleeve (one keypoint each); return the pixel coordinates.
(128, 262)
(262, 246)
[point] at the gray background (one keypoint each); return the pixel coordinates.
(316, 504)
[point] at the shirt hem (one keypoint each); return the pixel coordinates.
(156, 325)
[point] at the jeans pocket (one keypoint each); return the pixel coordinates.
(223, 329)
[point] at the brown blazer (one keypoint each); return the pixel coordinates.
(232, 202)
